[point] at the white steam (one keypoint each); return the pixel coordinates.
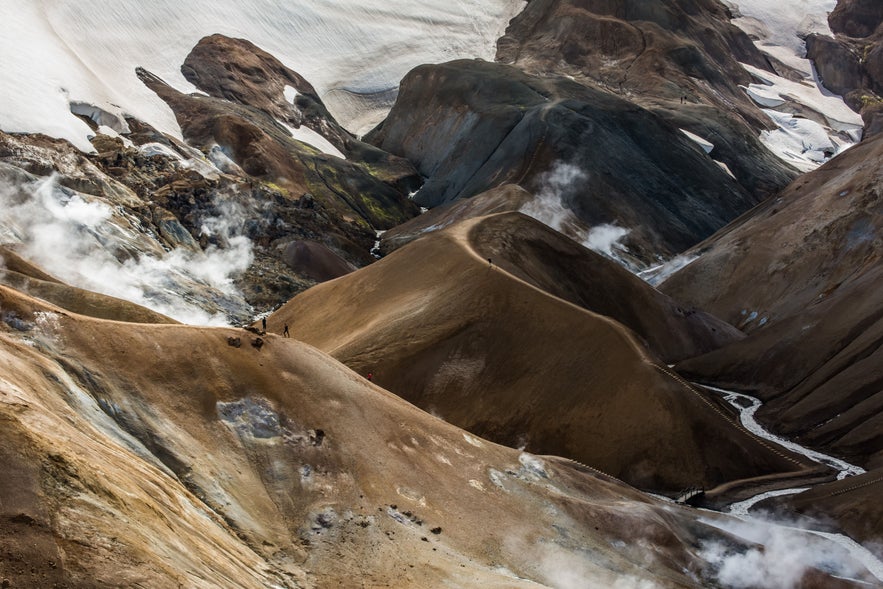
(780, 556)
(548, 207)
(557, 566)
(659, 274)
(603, 238)
(89, 244)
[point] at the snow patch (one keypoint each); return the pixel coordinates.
(780, 27)
(306, 135)
(56, 52)
(706, 145)
(801, 142)
(290, 93)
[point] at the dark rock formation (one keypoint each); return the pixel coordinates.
(653, 53)
(471, 125)
(851, 64)
(839, 65)
(856, 18)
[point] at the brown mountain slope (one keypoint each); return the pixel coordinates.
(853, 503)
(505, 198)
(801, 274)
(808, 243)
(543, 257)
(504, 359)
(161, 456)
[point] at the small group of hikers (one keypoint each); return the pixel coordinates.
(285, 332)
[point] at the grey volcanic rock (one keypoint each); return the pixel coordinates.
(471, 125)
(653, 53)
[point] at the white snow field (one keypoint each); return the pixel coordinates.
(58, 52)
(779, 29)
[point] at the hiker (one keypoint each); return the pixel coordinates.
(490, 263)
(264, 324)
(285, 331)
(370, 376)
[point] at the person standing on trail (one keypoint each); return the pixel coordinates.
(264, 324)
(285, 331)
(370, 376)
(490, 263)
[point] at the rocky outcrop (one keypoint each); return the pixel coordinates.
(856, 18)
(654, 53)
(237, 71)
(664, 49)
(851, 64)
(471, 125)
(266, 151)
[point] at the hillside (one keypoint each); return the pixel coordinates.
(799, 274)
(162, 455)
(470, 342)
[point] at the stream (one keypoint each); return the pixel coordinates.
(747, 407)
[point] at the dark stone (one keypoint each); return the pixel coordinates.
(856, 18)
(838, 66)
(470, 125)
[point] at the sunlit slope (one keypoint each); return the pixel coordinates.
(436, 324)
(160, 455)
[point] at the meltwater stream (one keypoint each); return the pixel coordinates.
(747, 407)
